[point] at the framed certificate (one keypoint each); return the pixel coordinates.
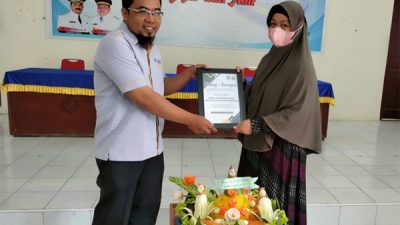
(221, 98)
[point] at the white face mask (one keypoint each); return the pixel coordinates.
(280, 37)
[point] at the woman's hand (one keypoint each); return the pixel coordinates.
(239, 70)
(243, 127)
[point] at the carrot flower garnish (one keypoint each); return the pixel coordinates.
(232, 192)
(189, 180)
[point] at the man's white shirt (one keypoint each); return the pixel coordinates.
(71, 21)
(106, 23)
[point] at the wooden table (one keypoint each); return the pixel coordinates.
(56, 102)
(172, 216)
(50, 102)
(41, 114)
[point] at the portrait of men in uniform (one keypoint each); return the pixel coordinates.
(104, 22)
(74, 21)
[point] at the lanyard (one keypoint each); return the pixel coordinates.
(152, 86)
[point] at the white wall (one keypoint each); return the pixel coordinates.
(353, 59)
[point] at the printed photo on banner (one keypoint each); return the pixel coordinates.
(231, 24)
(84, 18)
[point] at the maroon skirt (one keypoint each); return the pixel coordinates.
(282, 172)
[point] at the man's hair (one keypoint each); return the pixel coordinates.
(127, 3)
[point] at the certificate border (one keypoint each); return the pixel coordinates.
(200, 78)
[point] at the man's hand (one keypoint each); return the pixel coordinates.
(200, 125)
(192, 71)
(243, 127)
(176, 83)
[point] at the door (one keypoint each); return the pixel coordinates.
(390, 105)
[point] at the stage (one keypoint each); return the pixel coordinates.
(57, 102)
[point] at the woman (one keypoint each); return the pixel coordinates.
(284, 115)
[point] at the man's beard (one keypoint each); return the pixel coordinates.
(145, 41)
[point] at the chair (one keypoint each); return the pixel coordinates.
(249, 71)
(73, 64)
(182, 67)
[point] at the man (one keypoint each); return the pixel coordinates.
(74, 21)
(104, 22)
(129, 83)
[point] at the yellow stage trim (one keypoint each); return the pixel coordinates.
(183, 95)
(47, 89)
(328, 100)
(91, 92)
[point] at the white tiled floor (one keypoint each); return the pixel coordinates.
(356, 180)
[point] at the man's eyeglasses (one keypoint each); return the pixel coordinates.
(146, 12)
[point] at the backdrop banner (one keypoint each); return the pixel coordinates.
(229, 24)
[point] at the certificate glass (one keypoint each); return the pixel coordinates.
(221, 98)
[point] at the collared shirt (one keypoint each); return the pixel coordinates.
(70, 23)
(124, 131)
